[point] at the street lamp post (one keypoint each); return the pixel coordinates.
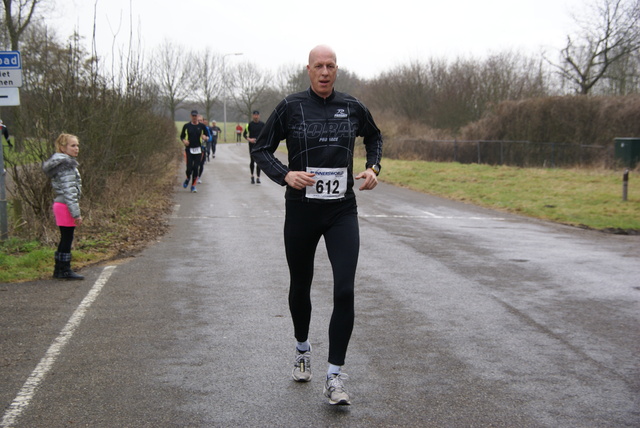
(224, 94)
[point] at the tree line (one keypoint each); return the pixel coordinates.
(601, 57)
(124, 111)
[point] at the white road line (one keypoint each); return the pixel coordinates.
(432, 215)
(429, 216)
(22, 400)
(266, 214)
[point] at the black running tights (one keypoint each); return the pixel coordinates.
(252, 163)
(193, 166)
(66, 239)
(305, 223)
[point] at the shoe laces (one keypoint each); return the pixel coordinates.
(336, 382)
(304, 358)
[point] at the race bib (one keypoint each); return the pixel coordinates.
(331, 183)
(195, 150)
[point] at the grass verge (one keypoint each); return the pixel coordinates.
(30, 260)
(124, 228)
(589, 198)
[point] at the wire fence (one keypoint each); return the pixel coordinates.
(512, 153)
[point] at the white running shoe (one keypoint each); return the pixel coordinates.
(334, 389)
(302, 366)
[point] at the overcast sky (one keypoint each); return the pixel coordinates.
(368, 39)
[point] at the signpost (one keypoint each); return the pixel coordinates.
(10, 78)
(9, 96)
(10, 81)
(10, 69)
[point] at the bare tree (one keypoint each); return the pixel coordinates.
(208, 79)
(622, 78)
(122, 136)
(609, 36)
(346, 82)
(448, 94)
(286, 80)
(406, 90)
(172, 69)
(290, 79)
(18, 14)
(248, 87)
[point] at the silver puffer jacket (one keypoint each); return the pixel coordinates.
(62, 169)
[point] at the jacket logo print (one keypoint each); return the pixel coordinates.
(340, 114)
(325, 131)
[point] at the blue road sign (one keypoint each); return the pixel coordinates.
(10, 60)
(10, 70)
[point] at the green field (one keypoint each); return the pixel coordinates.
(579, 197)
(230, 131)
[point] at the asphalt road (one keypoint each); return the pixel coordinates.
(465, 317)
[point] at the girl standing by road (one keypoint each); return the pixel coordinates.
(62, 169)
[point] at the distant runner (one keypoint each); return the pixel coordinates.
(251, 133)
(192, 135)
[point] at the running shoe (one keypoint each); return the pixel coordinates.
(199, 181)
(302, 366)
(253, 181)
(193, 189)
(186, 183)
(334, 389)
(258, 180)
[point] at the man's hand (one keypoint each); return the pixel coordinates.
(185, 142)
(370, 179)
(300, 179)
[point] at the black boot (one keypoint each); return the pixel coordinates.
(58, 266)
(65, 271)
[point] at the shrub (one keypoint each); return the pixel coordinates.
(579, 120)
(126, 148)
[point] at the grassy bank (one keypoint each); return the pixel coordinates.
(138, 218)
(586, 198)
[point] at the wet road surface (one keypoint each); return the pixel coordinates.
(464, 317)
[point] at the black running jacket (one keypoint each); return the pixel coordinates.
(319, 133)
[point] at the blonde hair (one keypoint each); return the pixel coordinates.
(63, 140)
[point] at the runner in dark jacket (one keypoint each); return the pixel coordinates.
(320, 127)
(319, 132)
(215, 133)
(250, 134)
(192, 135)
